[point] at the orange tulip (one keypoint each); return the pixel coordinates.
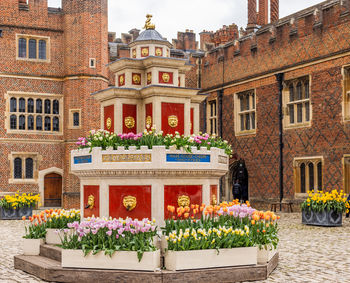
(267, 225)
(258, 231)
(186, 215)
(253, 222)
(192, 206)
(23, 218)
(264, 231)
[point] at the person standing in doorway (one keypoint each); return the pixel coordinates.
(236, 190)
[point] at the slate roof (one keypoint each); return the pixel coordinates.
(150, 34)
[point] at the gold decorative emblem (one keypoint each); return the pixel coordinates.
(91, 202)
(149, 78)
(190, 126)
(173, 121)
(129, 202)
(121, 80)
(166, 77)
(134, 53)
(136, 79)
(109, 123)
(167, 53)
(129, 122)
(213, 200)
(159, 51)
(149, 121)
(148, 24)
(183, 201)
(144, 52)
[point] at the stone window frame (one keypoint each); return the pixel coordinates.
(37, 38)
(297, 162)
(239, 113)
(346, 173)
(71, 119)
(35, 96)
(212, 117)
(92, 63)
(287, 104)
(23, 156)
(346, 93)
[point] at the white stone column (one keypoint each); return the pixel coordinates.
(104, 199)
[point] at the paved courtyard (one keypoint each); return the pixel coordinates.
(307, 254)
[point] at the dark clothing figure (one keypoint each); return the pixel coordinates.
(236, 191)
(241, 175)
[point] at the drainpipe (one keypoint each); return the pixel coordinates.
(205, 103)
(280, 78)
(199, 72)
(220, 94)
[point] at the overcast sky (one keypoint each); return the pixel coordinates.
(171, 16)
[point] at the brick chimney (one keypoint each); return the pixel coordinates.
(263, 15)
(252, 16)
(274, 10)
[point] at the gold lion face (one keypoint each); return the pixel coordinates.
(183, 201)
(121, 80)
(129, 202)
(91, 201)
(129, 122)
(136, 79)
(109, 123)
(149, 121)
(166, 77)
(134, 53)
(144, 52)
(173, 121)
(213, 200)
(159, 52)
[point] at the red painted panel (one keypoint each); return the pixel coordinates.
(109, 118)
(159, 51)
(149, 113)
(172, 193)
(143, 201)
(121, 80)
(173, 109)
(144, 51)
(192, 116)
(214, 192)
(129, 113)
(166, 77)
(95, 192)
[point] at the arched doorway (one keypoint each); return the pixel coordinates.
(238, 171)
(52, 190)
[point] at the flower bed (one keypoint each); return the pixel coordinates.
(150, 138)
(14, 207)
(116, 244)
(233, 229)
(324, 208)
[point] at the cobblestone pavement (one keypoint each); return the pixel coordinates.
(307, 254)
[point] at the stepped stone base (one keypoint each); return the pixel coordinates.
(47, 266)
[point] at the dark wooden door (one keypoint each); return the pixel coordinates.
(52, 190)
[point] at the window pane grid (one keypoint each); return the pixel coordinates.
(299, 102)
(32, 48)
(246, 116)
(309, 175)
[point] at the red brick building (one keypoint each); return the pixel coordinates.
(307, 54)
(51, 61)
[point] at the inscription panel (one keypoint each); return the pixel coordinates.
(126, 158)
(170, 157)
(82, 159)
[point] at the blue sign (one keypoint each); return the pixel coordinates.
(187, 157)
(82, 159)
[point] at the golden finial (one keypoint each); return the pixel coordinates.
(148, 24)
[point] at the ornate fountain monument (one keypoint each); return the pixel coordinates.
(150, 91)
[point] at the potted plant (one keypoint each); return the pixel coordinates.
(111, 244)
(57, 220)
(34, 236)
(14, 207)
(324, 208)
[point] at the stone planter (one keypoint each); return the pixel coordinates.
(32, 246)
(54, 236)
(265, 255)
(15, 214)
(324, 218)
(120, 260)
(182, 260)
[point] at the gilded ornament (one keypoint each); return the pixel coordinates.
(149, 121)
(109, 123)
(91, 202)
(213, 200)
(129, 122)
(144, 52)
(121, 80)
(166, 77)
(159, 51)
(148, 24)
(134, 53)
(129, 202)
(173, 121)
(136, 79)
(183, 201)
(149, 78)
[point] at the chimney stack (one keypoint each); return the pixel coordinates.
(274, 10)
(263, 15)
(252, 16)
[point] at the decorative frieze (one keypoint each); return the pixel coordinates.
(126, 157)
